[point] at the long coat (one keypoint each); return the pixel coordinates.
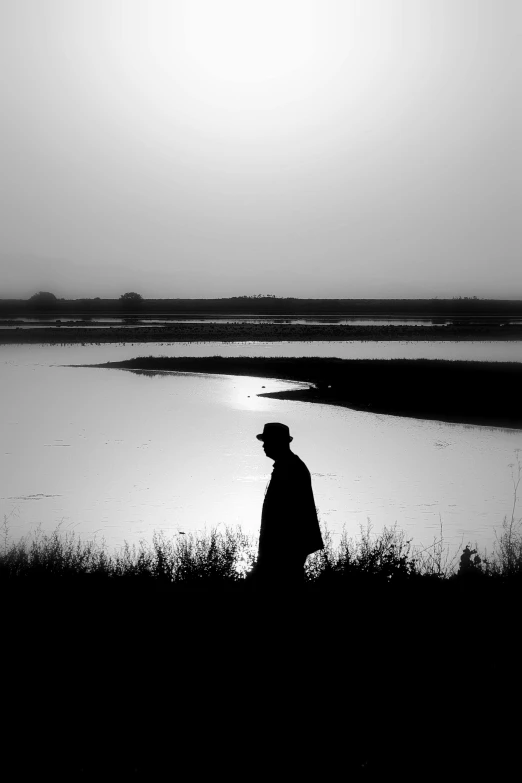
(289, 525)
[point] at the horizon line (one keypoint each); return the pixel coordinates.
(273, 297)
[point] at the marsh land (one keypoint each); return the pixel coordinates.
(210, 331)
(472, 392)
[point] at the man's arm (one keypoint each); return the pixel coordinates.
(293, 515)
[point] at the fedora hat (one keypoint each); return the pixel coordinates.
(275, 431)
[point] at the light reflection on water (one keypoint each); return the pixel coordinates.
(122, 454)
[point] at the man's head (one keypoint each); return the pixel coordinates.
(276, 440)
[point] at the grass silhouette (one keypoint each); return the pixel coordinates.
(226, 558)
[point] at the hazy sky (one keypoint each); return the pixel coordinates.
(330, 148)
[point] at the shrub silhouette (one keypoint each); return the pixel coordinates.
(131, 301)
(387, 557)
(43, 300)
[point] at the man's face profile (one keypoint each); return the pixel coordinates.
(273, 447)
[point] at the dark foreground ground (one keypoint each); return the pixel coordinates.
(486, 393)
(358, 684)
(238, 332)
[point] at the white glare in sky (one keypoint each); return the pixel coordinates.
(241, 67)
(235, 43)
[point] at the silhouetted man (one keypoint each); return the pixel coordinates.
(289, 525)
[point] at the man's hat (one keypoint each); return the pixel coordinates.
(275, 431)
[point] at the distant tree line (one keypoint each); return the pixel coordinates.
(259, 296)
(45, 301)
(132, 302)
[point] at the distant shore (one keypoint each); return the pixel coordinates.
(484, 393)
(243, 332)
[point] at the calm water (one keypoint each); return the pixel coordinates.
(31, 323)
(65, 353)
(119, 455)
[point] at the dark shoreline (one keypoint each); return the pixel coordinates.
(321, 689)
(480, 393)
(313, 396)
(242, 332)
(142, 681)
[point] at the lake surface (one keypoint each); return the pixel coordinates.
(65, 322)
(116, 455)
(31, 323)
(68, 353)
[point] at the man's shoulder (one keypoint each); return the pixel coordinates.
(293, 464)
(299, 463)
